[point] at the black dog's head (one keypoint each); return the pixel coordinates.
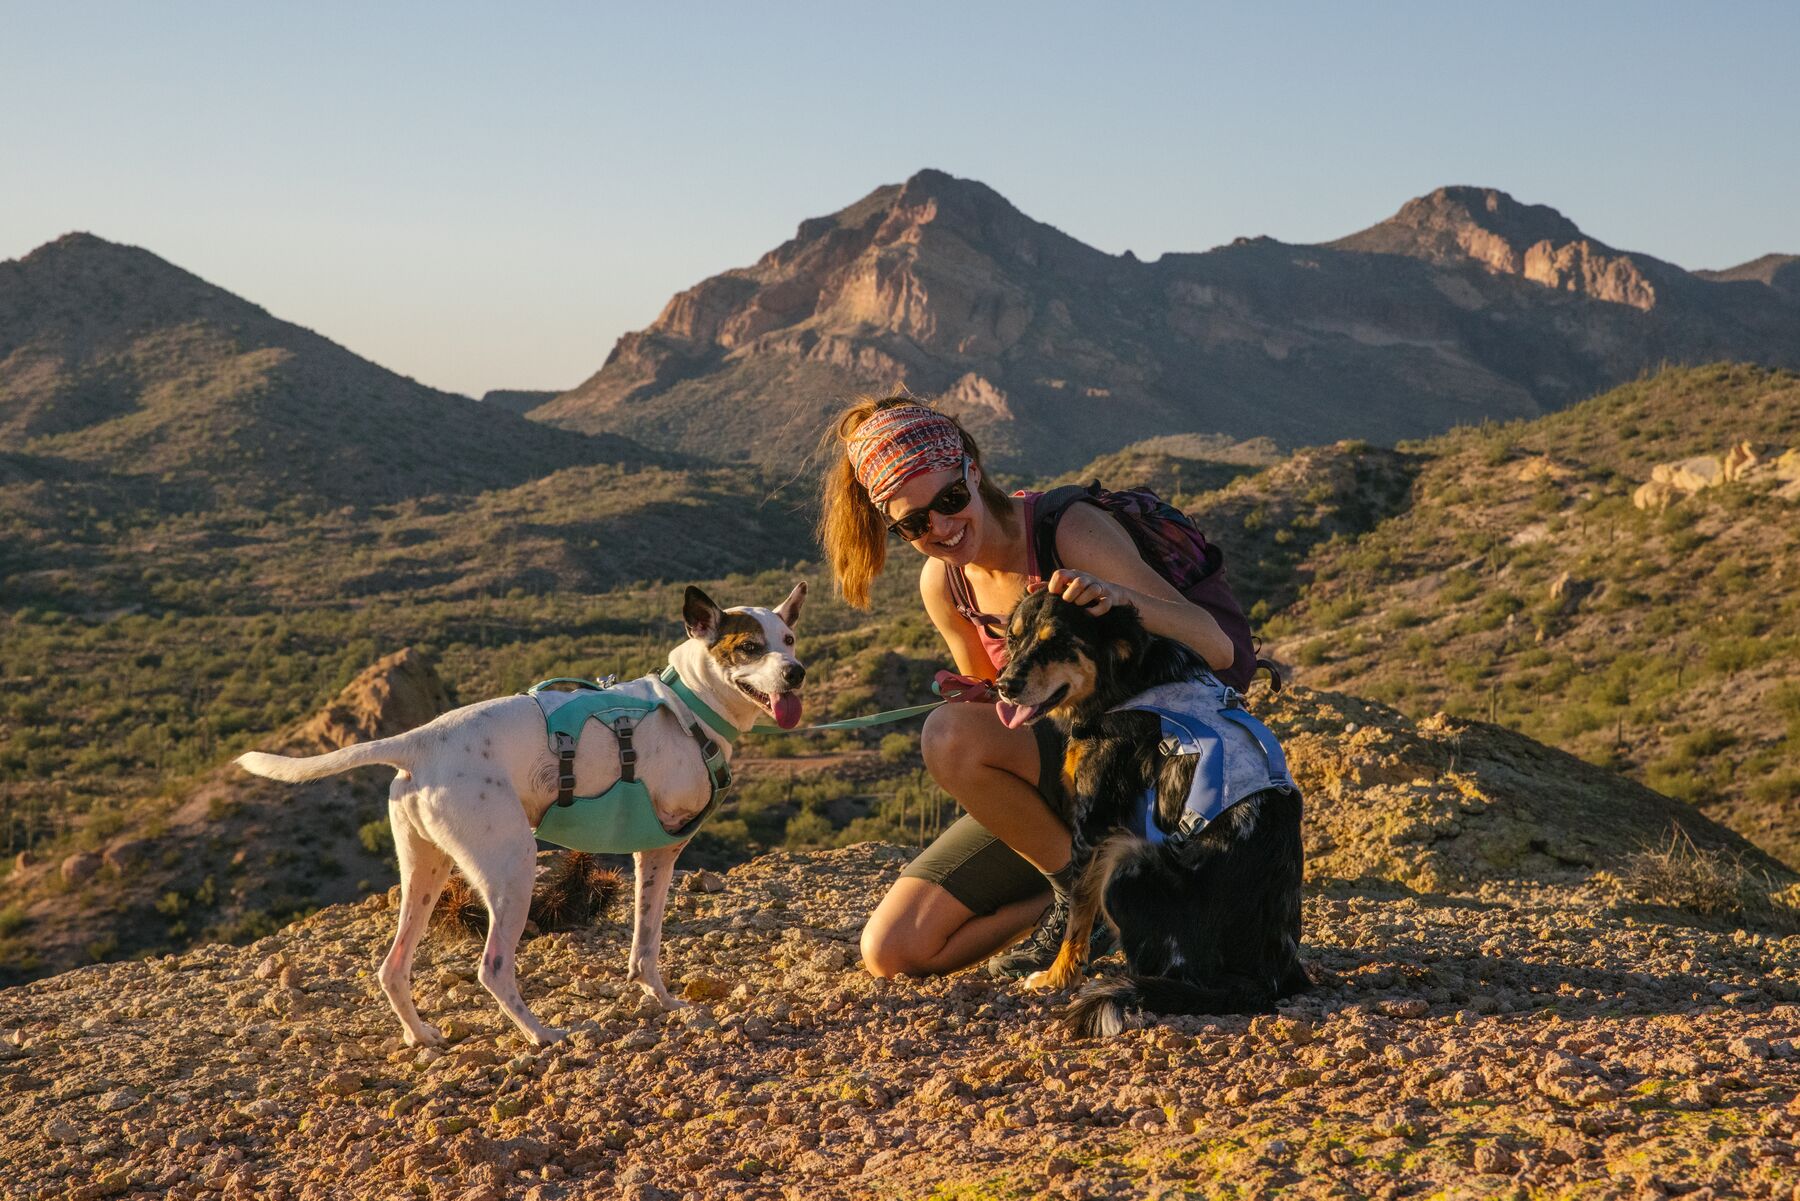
(1063, 661)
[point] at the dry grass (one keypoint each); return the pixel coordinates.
(1709, 883)
(573, 889)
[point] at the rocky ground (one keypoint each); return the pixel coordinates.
(1514, 1040)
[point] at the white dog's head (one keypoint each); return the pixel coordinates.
(753, 649)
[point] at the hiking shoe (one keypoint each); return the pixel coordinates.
(1038, 951)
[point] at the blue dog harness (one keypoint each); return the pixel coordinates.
(622, 819)
(1237, 755)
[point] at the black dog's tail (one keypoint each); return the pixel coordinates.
(1099, 1009)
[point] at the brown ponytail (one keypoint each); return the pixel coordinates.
(851, 529)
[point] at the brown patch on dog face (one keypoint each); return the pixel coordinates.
(1079, 674)
(1046, 632)
(740, 640)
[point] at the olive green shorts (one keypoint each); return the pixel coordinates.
(973, 865)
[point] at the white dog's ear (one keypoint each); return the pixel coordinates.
(789, 609)
(701, 616)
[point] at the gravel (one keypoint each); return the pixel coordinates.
(1518, 1039)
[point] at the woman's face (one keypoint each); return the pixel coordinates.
(954, 538)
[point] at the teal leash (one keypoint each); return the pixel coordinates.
(853, 723)
(724, 729)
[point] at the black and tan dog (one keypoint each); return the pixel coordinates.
(1209, 921)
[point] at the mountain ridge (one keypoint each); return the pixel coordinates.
(117, 362)
(1464, 306)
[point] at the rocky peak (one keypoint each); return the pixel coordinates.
(1532, 241)
(392, 695)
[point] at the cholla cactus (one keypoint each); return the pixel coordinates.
(573, 889)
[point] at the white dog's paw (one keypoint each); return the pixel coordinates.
(1039, 981)
(427, 1036)
(548, 1036)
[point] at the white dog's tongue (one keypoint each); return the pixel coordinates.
(787, 710)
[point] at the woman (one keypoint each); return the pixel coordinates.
(904, 470)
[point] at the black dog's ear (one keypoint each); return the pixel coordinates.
(789, 609)
(701, 616)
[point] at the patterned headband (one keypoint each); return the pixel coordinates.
(898, 443)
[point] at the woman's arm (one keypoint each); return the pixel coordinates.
(1102, 567)
(964, 643)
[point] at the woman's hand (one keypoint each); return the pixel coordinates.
(1091, 592)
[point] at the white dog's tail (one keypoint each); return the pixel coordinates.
(392, 751)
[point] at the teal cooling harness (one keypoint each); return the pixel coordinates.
(623, 819)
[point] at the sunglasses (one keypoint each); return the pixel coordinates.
(951, 499)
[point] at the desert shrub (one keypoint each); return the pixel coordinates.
(1675, 780)
(1338, 610)
(1459, 586)
(12, 919)
(1403, 617)
(377, 836)
(1732, 655)
(1313, 653)
(897, 748)
(1702, 744)
(1710, 883)
(808, 828)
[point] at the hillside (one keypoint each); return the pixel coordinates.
(114, 362)
(1516, 580)
(1464, 306)
(1536, 1038)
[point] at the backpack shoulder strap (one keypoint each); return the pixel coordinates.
(1048, 514)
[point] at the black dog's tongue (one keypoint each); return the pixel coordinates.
(1013, 716)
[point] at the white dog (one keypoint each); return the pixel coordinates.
(474, 784)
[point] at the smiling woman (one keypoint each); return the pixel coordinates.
(903, 471)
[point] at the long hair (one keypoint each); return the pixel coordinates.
(851, 529)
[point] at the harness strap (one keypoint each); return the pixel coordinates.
(628, 756)
(701, 709)
(565, 769)
(718, 770)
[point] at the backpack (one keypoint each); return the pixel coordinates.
(1169, 541)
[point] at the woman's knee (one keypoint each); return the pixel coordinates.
(893, 948)
(882, 953)
(954, 741)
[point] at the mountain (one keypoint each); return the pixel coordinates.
(1464, 306)
(117, 366)
(1524, 574)
(1778, 271)
(517, 400)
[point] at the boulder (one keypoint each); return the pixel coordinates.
(1542, 467)
(390, 696)
(1690, 475)
(80, 867)
(121, 857)
(1654, 495)
(1738, 461)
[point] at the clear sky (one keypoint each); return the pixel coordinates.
(486, 197)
